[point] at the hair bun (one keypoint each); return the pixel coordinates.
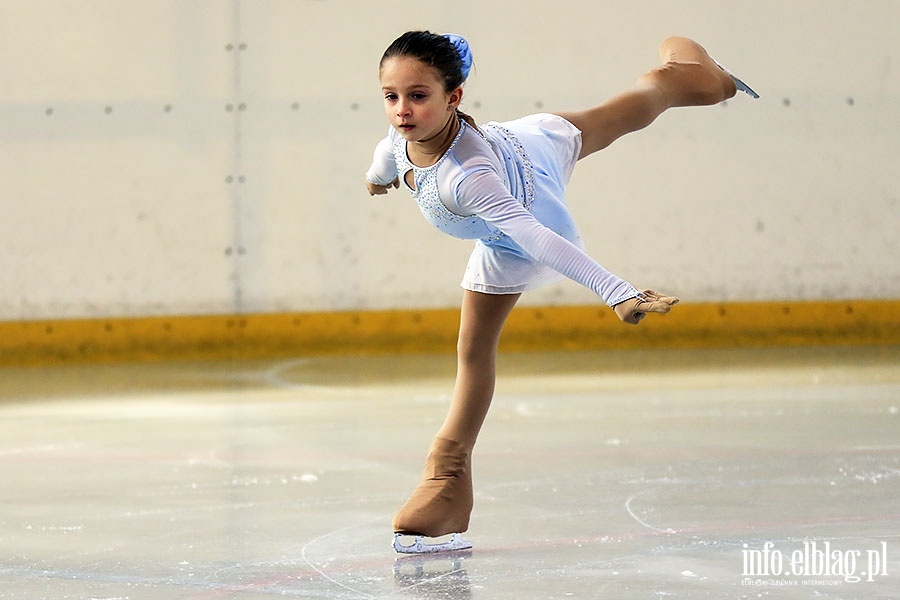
(462, 48)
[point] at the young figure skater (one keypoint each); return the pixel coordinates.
(503, 185)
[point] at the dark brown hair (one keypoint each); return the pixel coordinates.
(432, 49)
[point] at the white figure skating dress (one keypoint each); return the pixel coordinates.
(504, 186)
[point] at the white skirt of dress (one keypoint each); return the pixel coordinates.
(502, 267)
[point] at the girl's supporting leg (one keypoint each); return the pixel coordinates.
(443, 500)
(481, 320)
(688, 77)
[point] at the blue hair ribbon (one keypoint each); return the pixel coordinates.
(462, 48)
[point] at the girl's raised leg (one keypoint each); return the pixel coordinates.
(687, 77)
(442, 502)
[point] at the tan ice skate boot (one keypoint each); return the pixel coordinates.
(442, 502)
(690, 77)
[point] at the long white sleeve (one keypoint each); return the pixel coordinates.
(384, 168)
(482, 193)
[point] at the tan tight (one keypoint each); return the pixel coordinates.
(687, 77)
(443, 500)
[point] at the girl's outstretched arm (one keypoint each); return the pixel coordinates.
(483, 194)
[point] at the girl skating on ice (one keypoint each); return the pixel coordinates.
(503, 185)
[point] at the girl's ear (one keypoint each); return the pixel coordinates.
(455, 98)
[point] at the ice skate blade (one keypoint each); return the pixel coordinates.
(419, 546)
(740, 85)
(743, 87)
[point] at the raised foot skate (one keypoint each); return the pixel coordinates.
(421, 546)
(689, 76)
(738, 84)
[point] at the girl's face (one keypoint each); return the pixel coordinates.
(415, 101)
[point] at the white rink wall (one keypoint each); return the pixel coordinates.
(207, 156)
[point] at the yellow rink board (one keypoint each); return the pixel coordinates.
(739, 324)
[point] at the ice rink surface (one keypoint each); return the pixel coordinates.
(636, 474)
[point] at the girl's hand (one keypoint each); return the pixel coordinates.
(634, 309)
(377, 190)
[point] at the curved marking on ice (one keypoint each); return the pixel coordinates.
(641, 521)
(320, 571)
(273, 376)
